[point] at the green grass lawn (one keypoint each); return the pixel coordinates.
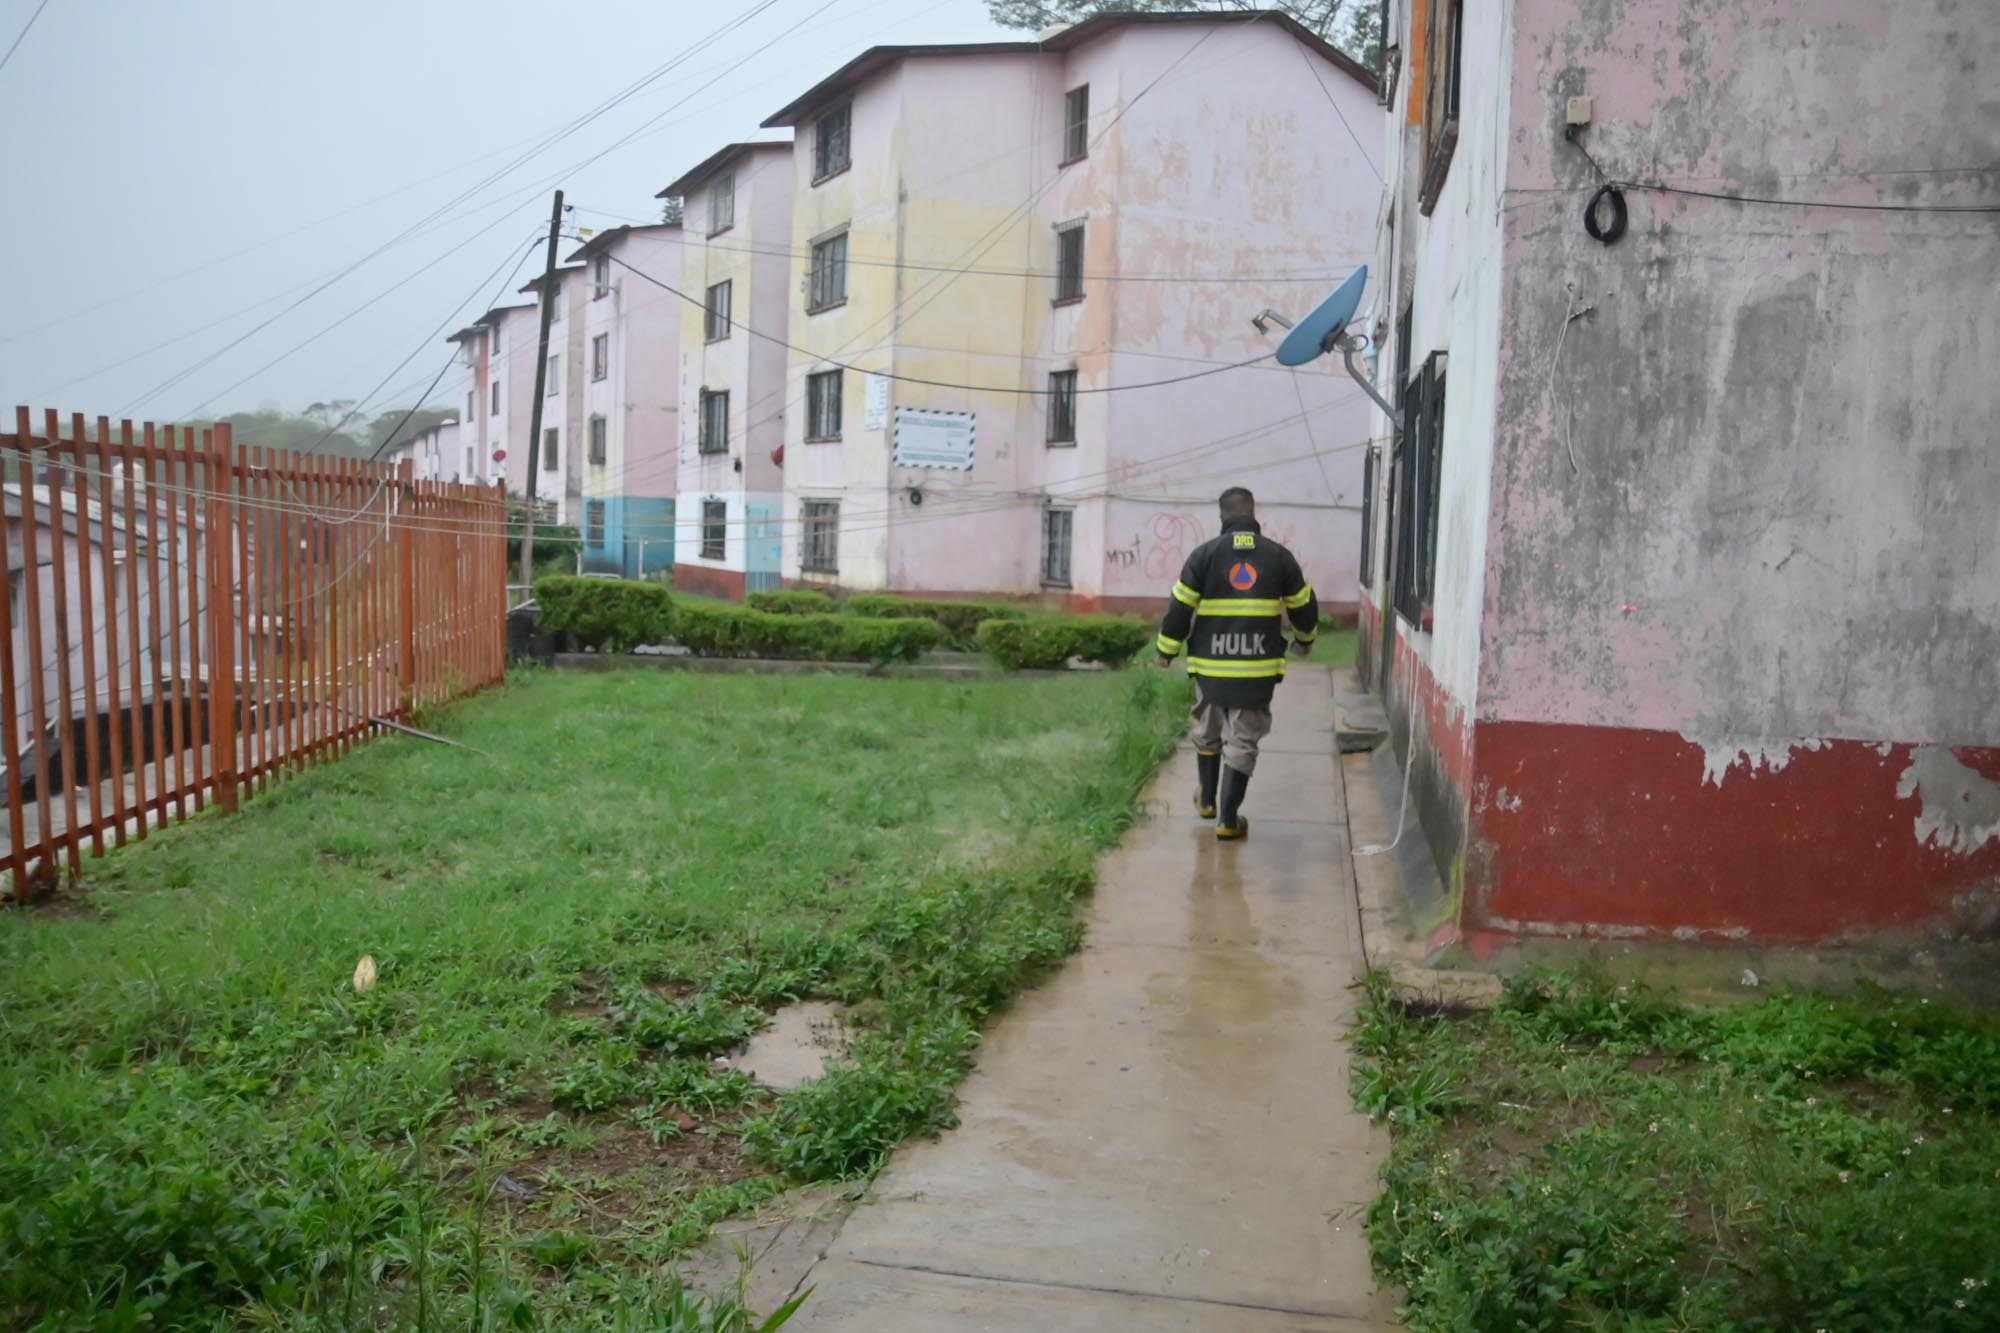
(1590, 1156)
(207, 1125)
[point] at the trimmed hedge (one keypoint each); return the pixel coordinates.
(792, 602)
(960, 621)
(1048, 643)
(728, 631)
(610, 615)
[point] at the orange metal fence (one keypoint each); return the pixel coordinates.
(187, 620)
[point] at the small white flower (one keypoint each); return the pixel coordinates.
(1550, 1189)
(1947, 1110)
(1960, 1302)
(1812, 1101)
(1906, 1152)
(1970, 1283)
(1653, 1128)
(1919, 1140)
(1843, 1177)
(1437, 1217)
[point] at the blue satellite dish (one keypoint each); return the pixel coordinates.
(1308, 340)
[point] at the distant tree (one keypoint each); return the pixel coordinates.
(671, 210)
(389, 431)
(1354, 26)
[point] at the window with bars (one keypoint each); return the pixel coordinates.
(831, 142)
(823, 405)
(1368, 517)
(715, 318)
(1069, 261)
(555, 378)
(597, 445)
(1418, 474)
(819, 537)
(550, 439)
(722, 204)
(714, 425)
(593, 522)
(1062, 407)
(1076, 124)
(1057, 527)
(600, 277)
(600, 356)
(827, 286)
(714, 529)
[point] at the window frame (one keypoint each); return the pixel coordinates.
(496, 399)
(1061, 425)
(819, 275)
(718, 315)
(554, 384)
(722, 204)
(714, 529)
(824, 168)
(1069, 279)
(600, 277)
(817, 384)
(1368, 481)
(1444, 46)
(709, 427)
(1418, 481)
(1051, 577)
(819, 536)
(598, 439)
(600, 357)
(1076, 128)
(593, 523)
(551, 447)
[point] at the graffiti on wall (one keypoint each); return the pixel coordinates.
(1164, 542)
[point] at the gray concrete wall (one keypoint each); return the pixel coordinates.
(1756, 498)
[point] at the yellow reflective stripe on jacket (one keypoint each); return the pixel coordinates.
(1170, 647)
(1240, 606)
(1249, 668)
(1185, 595)
(1305, 635)
(1300, 598)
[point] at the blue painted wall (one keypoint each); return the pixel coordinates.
(638, 536)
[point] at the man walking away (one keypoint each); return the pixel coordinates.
(1226, 615)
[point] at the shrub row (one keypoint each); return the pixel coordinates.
(729, 631)
(610, 615)
(793, 602)
(1049, 643)
(960, 621)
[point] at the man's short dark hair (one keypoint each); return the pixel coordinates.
(1237, 501)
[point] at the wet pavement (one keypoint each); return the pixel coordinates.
(1161, 1136)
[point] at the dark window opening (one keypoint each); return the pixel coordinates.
(1076, 124)
(714, 425)
(819, 549)
(1062, 407)
(823, 405)
(714, 529)
(831, 147)
(1069, 262)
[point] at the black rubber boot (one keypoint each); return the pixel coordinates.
(1229, 825)
(1209, 766)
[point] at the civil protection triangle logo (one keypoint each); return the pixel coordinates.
(1243, 576)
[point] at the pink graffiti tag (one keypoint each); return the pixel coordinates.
(1174, 535)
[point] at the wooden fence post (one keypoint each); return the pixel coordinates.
(219, 547)
(406, 609)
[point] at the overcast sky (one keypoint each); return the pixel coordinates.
(267, 145)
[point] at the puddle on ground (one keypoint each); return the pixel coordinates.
(796, 1045)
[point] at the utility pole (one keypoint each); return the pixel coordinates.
(541, 387)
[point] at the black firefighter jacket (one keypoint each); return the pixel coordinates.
(1227, 615)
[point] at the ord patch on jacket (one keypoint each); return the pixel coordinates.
(1246, 541)
(1243, 576)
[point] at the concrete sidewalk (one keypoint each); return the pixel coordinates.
(1161, 1136)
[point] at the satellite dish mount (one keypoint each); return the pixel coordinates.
(1325, 330)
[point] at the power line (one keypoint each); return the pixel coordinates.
(935, 384)
(22, 35)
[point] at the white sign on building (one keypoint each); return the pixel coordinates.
(933, 439)
(878, 402)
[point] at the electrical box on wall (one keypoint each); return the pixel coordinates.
(1579, 111)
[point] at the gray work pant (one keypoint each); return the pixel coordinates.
(1231, 732)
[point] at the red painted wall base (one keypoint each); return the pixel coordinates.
(709, 581)
(1553, 830)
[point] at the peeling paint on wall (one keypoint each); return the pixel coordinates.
(1719, 757)
(1960, 808)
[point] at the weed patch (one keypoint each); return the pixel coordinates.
(1597, 1156)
